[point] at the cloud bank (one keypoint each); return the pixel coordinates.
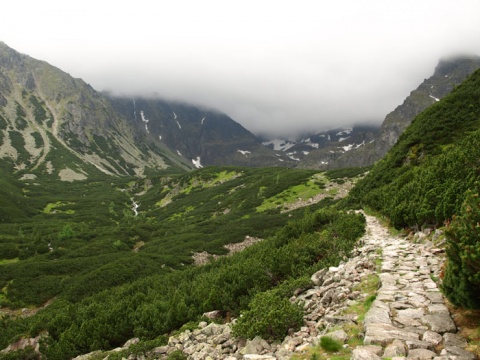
(276, 67)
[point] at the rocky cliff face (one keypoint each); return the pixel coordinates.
(204, 137)
(53, 124)
(448, 74)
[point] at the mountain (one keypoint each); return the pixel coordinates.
(204, 137)
(331, 143)
(449, 73)
(430, 178)
(55, 125)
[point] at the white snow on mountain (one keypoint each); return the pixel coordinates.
(244, 152)
(203, 119)
(290, 155)
(434, 98)
(174, 116)
(197, 163)
(145, 120)
(280, 144)
(179, 126)
(179, 153)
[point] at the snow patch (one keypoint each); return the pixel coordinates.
(145, 120)
(434, 98)
(306, 152)
(174, 116)
(290, 155)
(159, 137)
(244, 152)
(203, 119)
(343, 139)
(310, 143)
(179, 153)
(179, 126)
(345, 131)
(197, 163)
(279, 144)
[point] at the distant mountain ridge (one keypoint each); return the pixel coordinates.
(449, 73)
(205, 137)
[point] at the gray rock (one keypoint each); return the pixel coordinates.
(379, 313)
(317, 278)
(258, 357)
(397, 348)
(374, 349)
(384, 334)
(454, 340)
(364, 354)
(421, 354)
(460, 353)
(432, 337)
(440, 323)
(255, 346)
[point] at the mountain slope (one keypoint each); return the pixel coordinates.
(53, 124)
(424, 177)
(205, 137)
(448, 74)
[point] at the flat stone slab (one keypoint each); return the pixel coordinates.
(384, 334)
(421, 354)
(378, 313)
(364, 354)
(440, 323)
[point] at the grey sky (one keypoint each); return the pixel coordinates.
(274, 66)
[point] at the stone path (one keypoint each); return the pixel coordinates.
(409, 319)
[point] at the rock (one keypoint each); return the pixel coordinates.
(383, 334)
(255, 346)
(432, 337)
(131, 342)
(374, 349)
(460, 353)
(363, 354)
(397, 348)
(379, 313)
(440, 323)
(317, 278)
(256, 356)
(421, 354)
(454, 340)
(339, 335)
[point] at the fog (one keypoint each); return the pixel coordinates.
(276, 67)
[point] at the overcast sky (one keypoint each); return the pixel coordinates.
(274, 66)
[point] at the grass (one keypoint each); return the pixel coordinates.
(305, 191)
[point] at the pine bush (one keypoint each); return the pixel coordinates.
(461, 282)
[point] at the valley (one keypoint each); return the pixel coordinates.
(137, 218)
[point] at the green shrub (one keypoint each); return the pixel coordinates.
(270, 317)
(177, 355)
(329, 344)
(461, 283)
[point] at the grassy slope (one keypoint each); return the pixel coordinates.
(424, 177)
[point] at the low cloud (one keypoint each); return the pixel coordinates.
(276, 67)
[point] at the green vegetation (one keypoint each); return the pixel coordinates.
(77, 243)
(269, 316)
(424, 177)
(462, 274)
(329, 344)
(427, 176)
